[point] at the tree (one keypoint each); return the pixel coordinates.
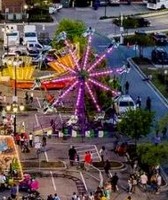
(136, 123)
(152, 155)
(38, 2)
(163, 122)
(74, 30)
(142, 40)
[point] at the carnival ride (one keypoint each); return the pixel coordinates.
(20, 72)
(84, 77)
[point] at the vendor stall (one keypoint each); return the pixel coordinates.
(9, 160)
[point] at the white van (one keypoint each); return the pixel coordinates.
(11, 36)
(123, 103)
(29, 34)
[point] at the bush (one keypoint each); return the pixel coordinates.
(40, 18)
(161, 78)
(127, 22)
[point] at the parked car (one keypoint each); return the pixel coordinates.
(160, 38)
(159, 56)
(38, 46)
(140, 32)
(114, 2)
(54, 8)
(142, 22)
(123, 103)
(103, 2)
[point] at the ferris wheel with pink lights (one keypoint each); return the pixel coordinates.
(85, 76)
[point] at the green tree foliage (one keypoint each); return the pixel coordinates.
(140, 40)
(38, 2)
(136, 123)
(163, 122)
(74, 30)
(151, 154)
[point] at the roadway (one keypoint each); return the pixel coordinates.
(140, 88)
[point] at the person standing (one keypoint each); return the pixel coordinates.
(102, 153)
(144, 180)
(114, 181)
(148, 104)
(56, 197)
(31, 97)
(13, 191)
(26, 97)
(130, 181)
(129, 198)
(31, 140)
(138, 102)
(44, 142)
(72, 154)
(87, 160)
(127, 85)
(107, 167)
(158, 182)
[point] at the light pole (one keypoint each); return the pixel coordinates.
(105, 9)
(165, 76)
(15, 107)
(121, 29)
(6, 32)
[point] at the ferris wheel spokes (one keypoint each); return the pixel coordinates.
(92, 97)
(86, 55)
(66, 92)
(101, 58)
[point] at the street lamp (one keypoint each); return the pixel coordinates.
(6, 32)
(26, 13)
(165, 75)
(14, 108)
(105, 9)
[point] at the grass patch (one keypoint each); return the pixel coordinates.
(158, 77)
(42, 164)
(114, 164)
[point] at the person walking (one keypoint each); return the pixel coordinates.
(127, 85)
(148, 104)
(114, 181)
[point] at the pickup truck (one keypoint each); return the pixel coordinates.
(38, 46)
(54, 8)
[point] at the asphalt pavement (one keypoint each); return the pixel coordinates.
(141, 88)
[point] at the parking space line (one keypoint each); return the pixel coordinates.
(37, 121)
(38, 101)
(53, 182)
(97, 152)
(85, 150)
(46, 156)
(83, 180)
